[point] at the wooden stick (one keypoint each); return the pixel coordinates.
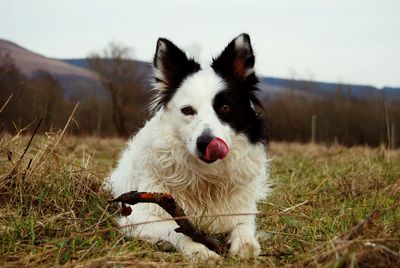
(167, 202)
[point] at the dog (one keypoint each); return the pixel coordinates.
(205, 144)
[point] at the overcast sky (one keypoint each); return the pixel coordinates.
(337, 41)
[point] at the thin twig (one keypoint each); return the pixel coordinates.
(11, 174)
(38, 156)
(295, 206)
(344, 241)
(5, 104)
(31, 139)
(390, 252)
(357, 230)
(65, 128)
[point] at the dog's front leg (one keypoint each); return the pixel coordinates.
(243, 241)
(164, 230)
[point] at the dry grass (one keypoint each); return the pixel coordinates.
(54, 212)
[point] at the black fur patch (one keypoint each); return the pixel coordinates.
(175, 66)
(240, 91)
(242, 118)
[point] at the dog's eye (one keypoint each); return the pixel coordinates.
(188, 110)
(224, 109)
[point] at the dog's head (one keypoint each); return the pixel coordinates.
(207, 108)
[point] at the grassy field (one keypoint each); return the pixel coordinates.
(331, 206)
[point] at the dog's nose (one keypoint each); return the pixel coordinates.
(203, 141)
(211, 148)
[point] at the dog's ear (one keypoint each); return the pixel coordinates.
(171, 66)
(236, 62)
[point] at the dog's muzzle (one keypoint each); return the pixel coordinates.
(211, 148)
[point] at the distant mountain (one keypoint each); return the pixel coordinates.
(75, 81)
(81, 63)
(78, 81)
(143, 68)
(323, 89)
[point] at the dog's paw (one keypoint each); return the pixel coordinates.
(199, 252)
(245, 247)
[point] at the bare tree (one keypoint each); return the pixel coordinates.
(125, 82)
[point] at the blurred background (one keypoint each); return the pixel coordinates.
(329, 71)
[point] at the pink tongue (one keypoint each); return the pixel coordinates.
(216, 149)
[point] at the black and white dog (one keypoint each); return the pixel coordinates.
(205, 145)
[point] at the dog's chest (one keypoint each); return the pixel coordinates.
(211, 196)
(231, 186)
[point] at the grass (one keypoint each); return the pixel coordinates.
(331, 206)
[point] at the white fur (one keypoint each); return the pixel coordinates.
(161, 157)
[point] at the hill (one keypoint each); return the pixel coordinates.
(75, 81)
